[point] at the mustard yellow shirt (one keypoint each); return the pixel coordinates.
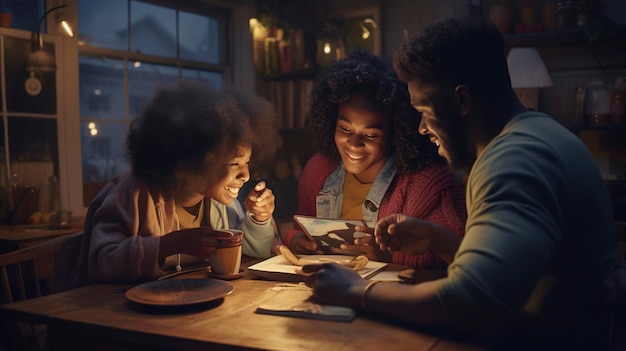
(354, 194)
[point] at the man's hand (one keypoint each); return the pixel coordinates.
(400, 232)
(364, 244)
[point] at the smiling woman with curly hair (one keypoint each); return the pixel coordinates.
(371, 159)
(370, 77)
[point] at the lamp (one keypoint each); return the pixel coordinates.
(39, 60)
(366, 32)
(528, 73)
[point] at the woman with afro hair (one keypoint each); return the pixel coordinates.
(189, 152)
(371, 160)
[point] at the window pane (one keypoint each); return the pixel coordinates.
(199, 38)
(153, 29)
(102, 92)
(213, 78)
(144, 79)
(32, 139)
(24, 13)
(16, 52)
(33, 150)
(115, 87)
(103, 23)
(103, 150)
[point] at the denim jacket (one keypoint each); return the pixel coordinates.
(330, 199)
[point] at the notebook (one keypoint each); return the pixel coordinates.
(296, 300)
(277, 267)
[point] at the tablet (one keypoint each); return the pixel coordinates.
(330, 233)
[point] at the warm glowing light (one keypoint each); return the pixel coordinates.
(259, 32)
(365, 32)
(91, 125)
(137, 64)
(93, 132)
(97, 92)
(67, 28)
(327, 48)
(371, 22)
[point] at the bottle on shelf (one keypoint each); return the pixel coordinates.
(579, 106)
(548, 17)
(49, 201)
(598, 103)
(500, 14)
(618, 105)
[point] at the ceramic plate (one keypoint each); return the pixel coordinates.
(179, 292)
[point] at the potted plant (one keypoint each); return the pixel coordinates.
(5, 18)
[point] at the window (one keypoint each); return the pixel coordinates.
(28, 142)
(127, 49)
(23, 13)
(75, 127)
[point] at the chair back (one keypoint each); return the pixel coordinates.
(30, 272)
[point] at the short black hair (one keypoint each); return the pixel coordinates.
(467, 51)
(363, 73)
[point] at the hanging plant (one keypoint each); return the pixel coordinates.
(601, 27)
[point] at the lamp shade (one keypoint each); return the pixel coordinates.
(527, 70)
(40, 60)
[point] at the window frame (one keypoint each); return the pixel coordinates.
(241, 74)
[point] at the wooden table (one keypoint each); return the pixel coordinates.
(21, 236)
(99, 317)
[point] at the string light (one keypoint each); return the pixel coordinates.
(327, 48)
(93, 131)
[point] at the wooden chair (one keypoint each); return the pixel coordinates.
(29, 273)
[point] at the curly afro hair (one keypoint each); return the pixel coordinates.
(195, 127)
(363, 73)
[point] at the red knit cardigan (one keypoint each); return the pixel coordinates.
(433, 194)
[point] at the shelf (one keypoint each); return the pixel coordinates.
(570, 37)
(606, 128)
(308, 74)
(560, 38)
(567, 50)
